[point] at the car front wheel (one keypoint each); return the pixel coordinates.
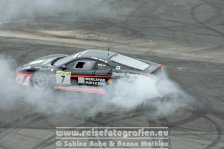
(40, 80)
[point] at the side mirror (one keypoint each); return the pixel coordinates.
(63, 67)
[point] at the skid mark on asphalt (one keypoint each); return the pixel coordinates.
(23, 122)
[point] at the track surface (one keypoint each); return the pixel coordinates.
(186, 36)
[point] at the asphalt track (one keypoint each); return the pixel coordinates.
(186, 36)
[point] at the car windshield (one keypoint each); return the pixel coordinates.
(65, 59)
(130, 62)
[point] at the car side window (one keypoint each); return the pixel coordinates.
(101, 66)
(81, 64)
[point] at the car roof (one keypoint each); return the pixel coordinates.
(108, 56)
(97, 54)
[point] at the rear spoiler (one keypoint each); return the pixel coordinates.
(157, 70)
(154, 67)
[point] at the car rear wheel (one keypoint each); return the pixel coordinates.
(40, 80)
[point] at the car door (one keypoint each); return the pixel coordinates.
(85, 72)
(73, 72)
(103, 73)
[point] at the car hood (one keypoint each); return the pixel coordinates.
(42, 62)
(46, 60)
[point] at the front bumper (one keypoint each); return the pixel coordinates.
(23, 78)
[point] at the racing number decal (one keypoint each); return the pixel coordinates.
(63, 77)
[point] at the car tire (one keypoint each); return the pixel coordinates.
(40, 80)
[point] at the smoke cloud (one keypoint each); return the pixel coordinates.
(158, 97)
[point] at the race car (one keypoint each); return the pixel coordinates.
(86, 71)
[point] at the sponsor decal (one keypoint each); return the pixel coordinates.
(92, 81)
(95, 81)
(116, 74)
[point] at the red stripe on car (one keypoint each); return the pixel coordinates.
(24, 74)
(89, 76)
(81, 90)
